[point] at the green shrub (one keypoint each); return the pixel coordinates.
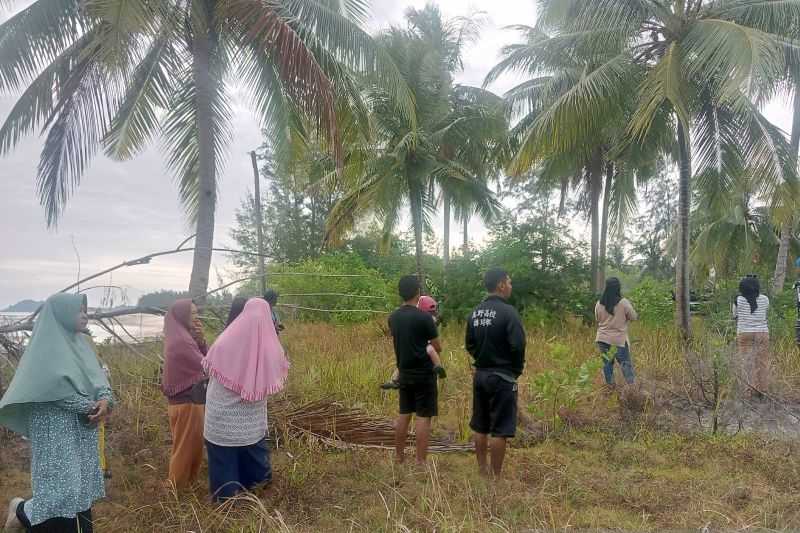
(308, 290)
(652, 300)
(565, 381)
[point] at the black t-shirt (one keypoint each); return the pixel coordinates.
(411, 330)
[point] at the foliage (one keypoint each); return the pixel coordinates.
(114, 75)
(409, 161)
(396, 259)
(733, 231)
(294, 210)
(162, 299)
(319, 287)
(464, 289)
(563, 383)
(652, 300)
(654, 228)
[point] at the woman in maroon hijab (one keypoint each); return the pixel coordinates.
(183, 384)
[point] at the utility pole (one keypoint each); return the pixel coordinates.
(262, 274)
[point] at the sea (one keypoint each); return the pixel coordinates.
(136, 327)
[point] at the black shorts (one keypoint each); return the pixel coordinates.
(494, 405)
(420, 398)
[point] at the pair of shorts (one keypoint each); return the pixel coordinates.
(494, 405)
(420, 398)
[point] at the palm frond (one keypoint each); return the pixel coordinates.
(575, 119)
(255, 23)
(776, 17)
(147, 94)
(353, 47)
(664, 83)
(180, 132)
(736, 57)
(33, 38)
(77, 123)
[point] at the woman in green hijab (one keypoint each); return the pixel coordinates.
(58, 396)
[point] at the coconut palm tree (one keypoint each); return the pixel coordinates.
(114, 74)
(693, 66)
(601, 165)
(791, 86)
(479, 142)
(410, 162)
(732, 226)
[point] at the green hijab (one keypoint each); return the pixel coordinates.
(58, 363)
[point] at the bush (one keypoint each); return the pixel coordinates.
(563, 384)
(652, 300)
(782, 314)
(462, 291)
(310, 289)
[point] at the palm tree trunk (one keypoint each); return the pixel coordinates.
(601, 275)
(682, 262)
(779, 278)
(562, 202)
(466, 235)
(446, 251)
(595, 177)
(416, 221)
(198, 284)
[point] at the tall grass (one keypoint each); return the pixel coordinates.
(606, 472)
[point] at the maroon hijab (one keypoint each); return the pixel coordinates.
(182, 356)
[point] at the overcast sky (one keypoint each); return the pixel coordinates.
(125, 210)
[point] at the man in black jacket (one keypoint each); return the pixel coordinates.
(496, 340)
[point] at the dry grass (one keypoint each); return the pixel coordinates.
(603, 471)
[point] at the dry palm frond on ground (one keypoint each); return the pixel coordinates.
(339, 426)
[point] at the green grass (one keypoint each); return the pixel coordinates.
(605, 471)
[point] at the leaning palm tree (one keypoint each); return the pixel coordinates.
(693, 66)
(408, 164)
(114, 74)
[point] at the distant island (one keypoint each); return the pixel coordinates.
(25, 306)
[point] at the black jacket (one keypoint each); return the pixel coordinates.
(495, 337)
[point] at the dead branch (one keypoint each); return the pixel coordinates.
(129, 346)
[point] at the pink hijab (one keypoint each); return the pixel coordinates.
(247, 357)
(182, 356)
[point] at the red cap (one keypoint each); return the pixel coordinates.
(427, 304)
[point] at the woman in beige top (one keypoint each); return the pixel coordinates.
(613, 312)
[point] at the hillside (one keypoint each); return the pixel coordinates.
(24, 306)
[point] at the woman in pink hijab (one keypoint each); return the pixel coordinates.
(245, 364)
(183, 383)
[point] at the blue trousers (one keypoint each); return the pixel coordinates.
(232, 469)
(622, 356)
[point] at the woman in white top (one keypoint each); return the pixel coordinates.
(752, 333)
(245, 365)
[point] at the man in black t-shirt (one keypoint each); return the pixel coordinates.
(412, 330)
(496, 340)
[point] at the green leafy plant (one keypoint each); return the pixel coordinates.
(563, 384)
(653, 302)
